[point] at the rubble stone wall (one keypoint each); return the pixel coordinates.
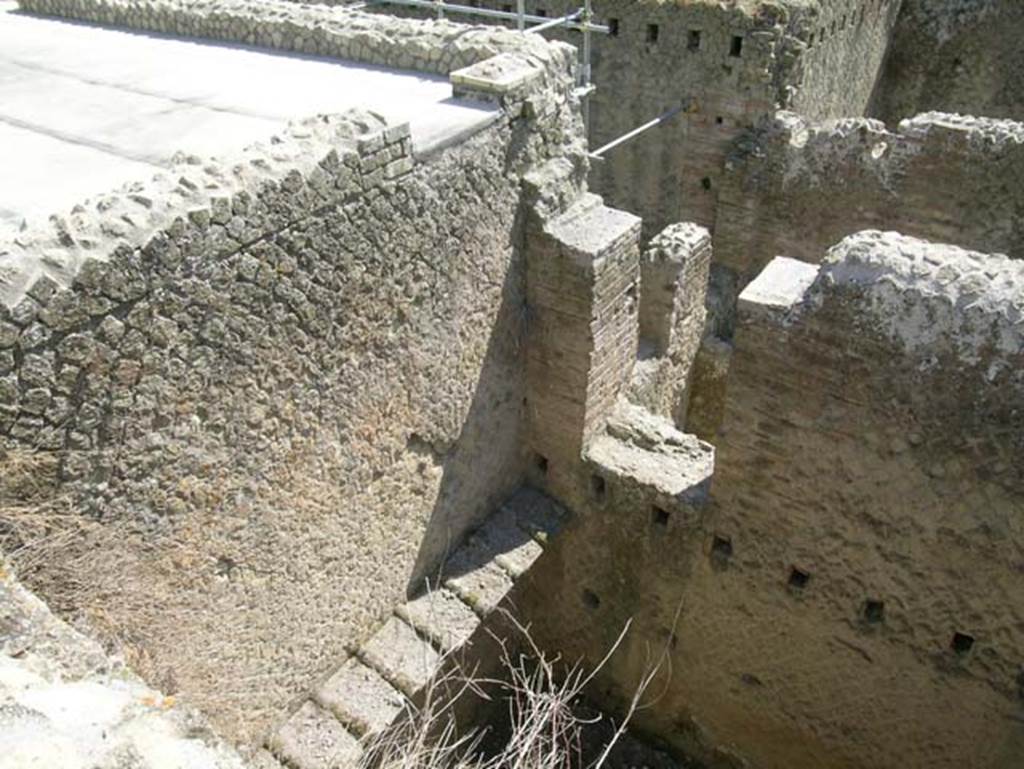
(437, 47)
(800, 186)
(296, 373)
(954, 56)
(869, 485)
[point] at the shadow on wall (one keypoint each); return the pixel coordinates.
(484, 465)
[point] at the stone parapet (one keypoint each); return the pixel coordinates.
(344, 33)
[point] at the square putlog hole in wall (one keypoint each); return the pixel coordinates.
(590, 599)
(798, 578)
(736, 47)
(721, 547)
(693, 40)
(961, 643)
(652, 33)
(659, 517)
(874, 611)
(597, 486)
(613, 27)
(540, 462)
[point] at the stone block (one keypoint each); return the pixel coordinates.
(361, 698)
(779, 287)
(401, 656)
(482, 585)
(515, 549)
(314, 739)
(442, 616)
(498, 75)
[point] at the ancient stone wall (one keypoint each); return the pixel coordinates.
(582, 285)
(312, 29)
(673, 290)
(870, 453)
(954, 56)
(846, 43)
(827, 607)
(292, 378)
(725, 66)
(799, 186)
(728, 67)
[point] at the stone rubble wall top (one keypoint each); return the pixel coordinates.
(336, 31)
(322, 152)
(930, 297)
(791, 147)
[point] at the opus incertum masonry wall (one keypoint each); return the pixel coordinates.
(762, 401)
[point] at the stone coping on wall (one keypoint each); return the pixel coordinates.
(238, 199)
(798, 148)
(336, 31)
(207, 208)
(925, 297)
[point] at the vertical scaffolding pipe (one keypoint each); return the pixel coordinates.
(521, 11)
(440, 8)
(586, 20)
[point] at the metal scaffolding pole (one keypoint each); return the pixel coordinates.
(581, 20)
(596, 154)
(543, 22)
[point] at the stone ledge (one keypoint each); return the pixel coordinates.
(398, 653)
(361, 699)
(780, 287)
(648, 452)
(440, 616)
(314, 739)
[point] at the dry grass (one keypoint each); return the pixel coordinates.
(235, 607)
(545, 728)
(88, 571)
(147, 596)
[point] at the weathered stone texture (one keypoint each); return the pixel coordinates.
(300, 370)
(674, 272)
(799, 187)
(312, 29)
(65, 703)
(954, 56)
(871, 442)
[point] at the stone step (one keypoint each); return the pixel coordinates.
(441, 616)
(400, 655)
(369, 693)
(361, 699)
(312, 738)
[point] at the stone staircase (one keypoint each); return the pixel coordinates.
(369, 692)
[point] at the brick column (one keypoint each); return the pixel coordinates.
(582, 281)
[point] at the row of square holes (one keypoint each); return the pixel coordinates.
(873, 610)
(693, 37)
(839, 26)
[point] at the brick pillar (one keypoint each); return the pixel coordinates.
(582, 282)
